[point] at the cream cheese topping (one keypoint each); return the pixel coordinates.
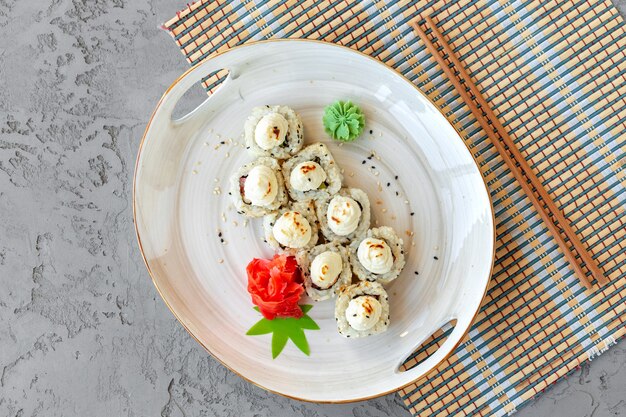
(271, 131)
(292, 230)
(375, 255)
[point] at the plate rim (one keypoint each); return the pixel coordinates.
(418, 91)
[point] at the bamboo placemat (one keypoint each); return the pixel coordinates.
(554, 73)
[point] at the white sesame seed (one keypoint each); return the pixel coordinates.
(217, 190)
(235, 223)
(194, 171)
(245, 222)
(406, 201)
(220, 261)
(227, 154)
(351, 174)
(384, 210)
(223, 217)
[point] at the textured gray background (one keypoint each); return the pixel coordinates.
(82, 329)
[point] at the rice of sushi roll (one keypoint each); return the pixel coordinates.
(362, 309)
(344, 216)
(378, 256)
(312, 173)
(325, 269)
(258, 188)
(293, 227)
(274, 131)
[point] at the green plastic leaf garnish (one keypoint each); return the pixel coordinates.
(343, 120)
(283, 329)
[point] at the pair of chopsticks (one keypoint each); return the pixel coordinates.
(532, 186)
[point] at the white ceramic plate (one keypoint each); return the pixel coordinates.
(178, 212)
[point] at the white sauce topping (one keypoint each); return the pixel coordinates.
(343, 215)
(307, 176)
(271, 131)
(325, 269)
(363, 312)
(292, 230)
(261, 186)
(375, 255)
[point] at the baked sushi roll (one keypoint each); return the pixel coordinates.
(362, 309)
(312, 173)
(344, 216)
(258, 188)
(274, 131)
(325, 269)
(293, 227)
(378, 255)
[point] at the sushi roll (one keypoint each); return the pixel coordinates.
(344, 216)
(378, 256)
(362, 309)
(258, 188)
(325, 269)
(293, 227)
(312, 173)
(274, 131)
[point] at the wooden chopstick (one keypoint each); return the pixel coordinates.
(545, 206)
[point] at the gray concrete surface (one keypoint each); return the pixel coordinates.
(82, 330)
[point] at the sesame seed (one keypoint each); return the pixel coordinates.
(435, 258)
(384, 210)
(397, 193)
(194, 171)
(388, 184)
(351, 174)
(412, 213)
(219, 234)
(364, 161)
(371, 131)
(416, 273)
(220, 261)
(406, 201)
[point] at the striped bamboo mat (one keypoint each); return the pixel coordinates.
(554, 73)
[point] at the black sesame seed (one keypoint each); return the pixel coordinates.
(435, 258)
(220, 234)
(371, 131)
(347, 335)
(373, 167)
(412, 214)
(364, 161)
(222, 240)
(369, 157)
(229, 193)
(354, 315)
(247, 147)
(397, 193)
(396, 177)
(388, 184)
(222, 143)
(416, 273)
(367, 316)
